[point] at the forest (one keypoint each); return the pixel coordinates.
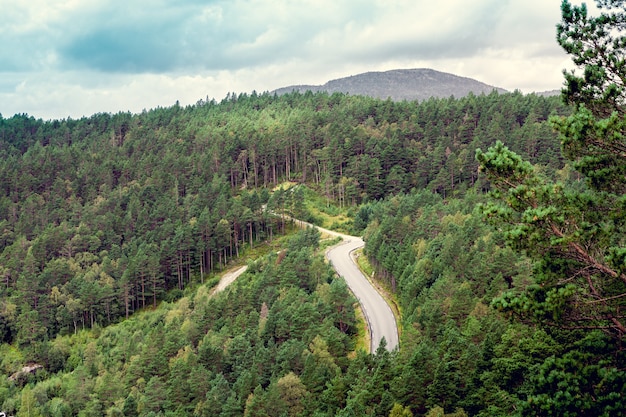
(110, 214)
(494, 223)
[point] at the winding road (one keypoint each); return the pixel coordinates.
(380, 319)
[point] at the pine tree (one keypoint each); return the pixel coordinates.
(130, 406)
(575, 235)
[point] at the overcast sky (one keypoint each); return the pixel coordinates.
(69, 58)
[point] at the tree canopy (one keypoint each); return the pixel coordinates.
(507, 265)
(574, 230)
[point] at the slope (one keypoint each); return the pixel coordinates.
(402, 84)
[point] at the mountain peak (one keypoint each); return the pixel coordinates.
(400, 84)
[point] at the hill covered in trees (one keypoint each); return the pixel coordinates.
(495, 222)
(113, 214)
(105, 215)
(403, 84)
(113, 227)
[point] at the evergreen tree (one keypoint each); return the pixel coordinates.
(576, 235)
(130, 406)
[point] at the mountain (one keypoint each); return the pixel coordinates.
(402, 84)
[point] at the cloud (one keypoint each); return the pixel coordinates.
(129, 37)
(142, 36)
(164, 36)
(75, 57)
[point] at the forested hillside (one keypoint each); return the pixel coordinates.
(494, 223)
(113, 227)
(105, 215)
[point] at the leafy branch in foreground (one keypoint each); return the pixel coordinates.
(575, 232)
(579, 277)
(576, 235)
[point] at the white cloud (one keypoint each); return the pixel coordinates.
(79, 57)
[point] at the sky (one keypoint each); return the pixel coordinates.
(74, 58)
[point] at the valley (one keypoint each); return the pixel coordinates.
(406, 243)
(116, 229)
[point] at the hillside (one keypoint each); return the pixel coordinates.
(402, 84)
(113, 228)
(109, 216)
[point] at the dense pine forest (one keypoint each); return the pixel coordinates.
(493, 223)
(114, 214)
(110, 214)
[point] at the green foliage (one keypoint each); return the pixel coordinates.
(309, 237)
(439, 412)
(573, 232)
(116, 222)
(248, 358)
(576, 383)
(400, 411)
(107, 215)
(447, 265)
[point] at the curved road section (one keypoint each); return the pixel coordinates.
(378, 315)
(380, 319)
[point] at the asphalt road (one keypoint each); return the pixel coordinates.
(380, 319)
(378, 314)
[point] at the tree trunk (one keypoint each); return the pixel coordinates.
(143, 289)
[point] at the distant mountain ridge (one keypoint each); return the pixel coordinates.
(402, 84)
